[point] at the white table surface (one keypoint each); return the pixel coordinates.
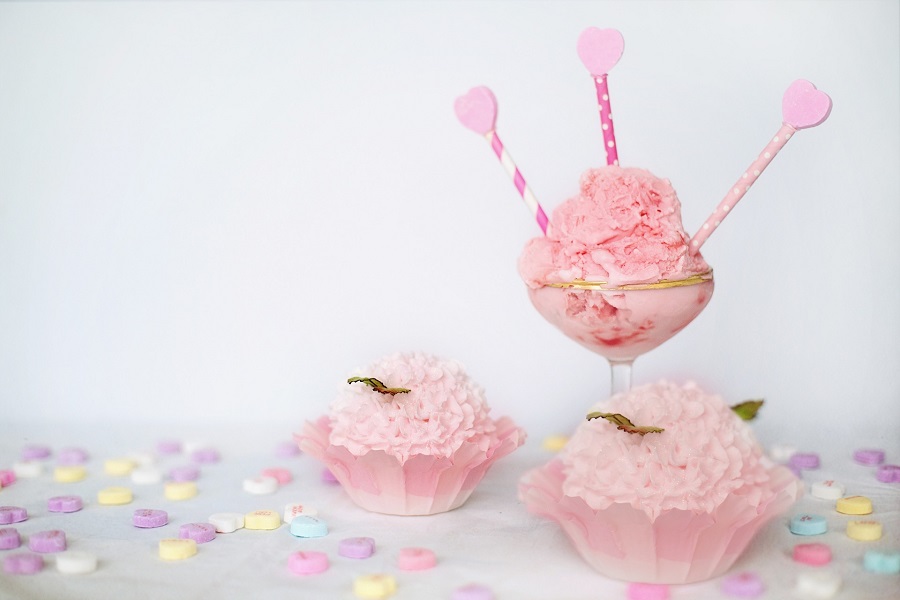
(491, 540)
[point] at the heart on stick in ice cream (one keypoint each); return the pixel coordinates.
(804, 106)
(600, 49)
(477, 110)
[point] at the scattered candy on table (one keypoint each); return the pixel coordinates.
(878, 561)
(416, 559)
(65, 504)
(114, 496)
(287, 449)
(854, 505)
(69, 473)
(374, 587)
(888, 474)
(149, 518)
(308, 562)
(22, 564)
(648, 591)
(283, 476)
(185, 473)
(473, 591)
(74, 562)
(305, 526)
(71, 456)
(205, 455)
(180, 490)
(53, 540)
(36, 452)
(28, 469)
(812, 554)
(806, 524)
(356, 547)
(745, 584)
(9, 538)
(167, 447)
(199, 532)
(12, 514)
(554, 443)
(864, 531)
(295, 510)
(869, 456)
(227, 522)
(177, 548)
(804, 460)
(118, 467)
(262, 519)
(827, 490)
(818, 584)
(7, 477)
(260, 485)
(146, 475)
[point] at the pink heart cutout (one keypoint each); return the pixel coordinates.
(600, 49)
(804, 106)
(477, 109)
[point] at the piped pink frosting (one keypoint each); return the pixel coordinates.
(624, 226)
(705, 453)
(443, 409)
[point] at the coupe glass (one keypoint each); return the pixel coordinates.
(622, 322)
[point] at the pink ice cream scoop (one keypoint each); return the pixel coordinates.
(614, 273)
(623, 227)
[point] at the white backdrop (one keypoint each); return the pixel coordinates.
(214, 212)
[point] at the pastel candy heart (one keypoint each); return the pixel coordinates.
(600, 49)
(477, 110)
(804, 106)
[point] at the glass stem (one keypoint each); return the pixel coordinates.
(620, 371)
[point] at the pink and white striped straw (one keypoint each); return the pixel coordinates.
(477, 110)
(802, 106)
(600, 50)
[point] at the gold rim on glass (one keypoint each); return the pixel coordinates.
(581, 284)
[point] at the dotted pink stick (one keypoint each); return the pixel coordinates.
(802, 106)
(606, 122)
(477, 110)
(600, 50)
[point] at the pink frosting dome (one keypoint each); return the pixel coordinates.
(624, 226)
(705, 453)
(443, 409)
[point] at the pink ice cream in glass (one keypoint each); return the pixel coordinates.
(614, 273)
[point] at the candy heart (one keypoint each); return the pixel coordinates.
(804, 106)
(600, 49)
(477, 109)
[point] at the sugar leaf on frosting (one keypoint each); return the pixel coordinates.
(747, 409)
(623, 423)
(378, 386)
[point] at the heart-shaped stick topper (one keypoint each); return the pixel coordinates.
(477, 110)
(600, 49)
(804, 106)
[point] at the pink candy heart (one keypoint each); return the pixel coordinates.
(477, 110)
(600, 49)
(804, 106)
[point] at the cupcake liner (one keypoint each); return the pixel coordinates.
(680, 546)
(423, 485)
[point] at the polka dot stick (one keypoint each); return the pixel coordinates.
(600, 50)
(802, 106)
(477, 110)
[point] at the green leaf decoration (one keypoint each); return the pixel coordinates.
(378, 386)
(623, 423)
(747, 409)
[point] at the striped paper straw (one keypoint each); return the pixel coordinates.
(802, 106)
(477, 110)
(600, 50)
